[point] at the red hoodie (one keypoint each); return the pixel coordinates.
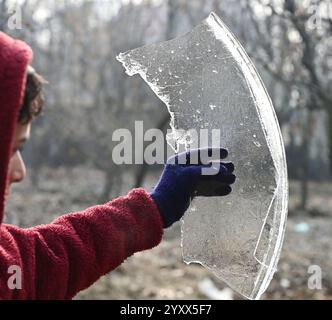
(68, 255)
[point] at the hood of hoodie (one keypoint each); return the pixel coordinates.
(15, 56)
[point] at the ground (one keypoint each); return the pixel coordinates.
(160, 273)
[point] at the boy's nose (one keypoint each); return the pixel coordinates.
(17, 170)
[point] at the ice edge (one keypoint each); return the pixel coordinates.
(253, 79)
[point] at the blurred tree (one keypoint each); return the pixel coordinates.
(89, 96)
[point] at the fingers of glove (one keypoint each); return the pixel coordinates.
(224, 191)
(218, 172)
(205, 171)
(228, 178)
(223, 175)
(212, 189)
(229, 166)
(198, 156)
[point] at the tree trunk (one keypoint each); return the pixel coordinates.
(113, 185)
(305, 161)
(329, 136)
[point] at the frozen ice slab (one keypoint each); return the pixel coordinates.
(206, 80)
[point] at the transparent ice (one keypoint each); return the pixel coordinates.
(206, 80)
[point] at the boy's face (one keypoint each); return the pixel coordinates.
(17, 171)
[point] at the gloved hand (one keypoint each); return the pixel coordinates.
(182, 179)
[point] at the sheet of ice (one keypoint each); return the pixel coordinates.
(206, 80)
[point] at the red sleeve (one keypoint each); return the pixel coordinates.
(68, 255)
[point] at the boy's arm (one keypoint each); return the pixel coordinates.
(60, 259)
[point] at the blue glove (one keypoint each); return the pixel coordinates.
(181, 180)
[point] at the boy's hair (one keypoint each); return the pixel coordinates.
(33, 97)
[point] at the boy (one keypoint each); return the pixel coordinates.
(68, 255)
